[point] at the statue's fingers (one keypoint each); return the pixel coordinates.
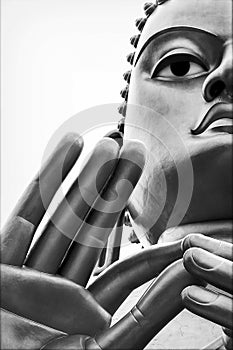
(51, 301)
(156, 308)
(212, 245)
(214, 269)
(116, 283)
(160, 303)
(213, 306)
(20, 228)
(51, 247)
(92, 236)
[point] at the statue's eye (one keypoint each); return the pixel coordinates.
(179, 66)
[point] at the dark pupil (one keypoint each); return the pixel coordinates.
(180, 68)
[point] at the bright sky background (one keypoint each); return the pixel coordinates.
(59, 57)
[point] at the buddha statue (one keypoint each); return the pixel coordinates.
(176, 155)
(187, 123)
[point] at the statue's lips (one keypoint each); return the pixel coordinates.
(217, 112)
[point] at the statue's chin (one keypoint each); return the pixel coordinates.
(163, 200)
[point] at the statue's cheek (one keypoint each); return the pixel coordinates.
(182, 105)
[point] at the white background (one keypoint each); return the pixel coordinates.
(58, 57)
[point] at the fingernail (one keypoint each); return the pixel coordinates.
(187, 242)
(205, 261)
(201, 241)
(200, 295)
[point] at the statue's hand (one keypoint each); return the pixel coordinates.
(43, 288)
(210, 260)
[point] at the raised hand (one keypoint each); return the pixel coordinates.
(43, 295)
(44, 300)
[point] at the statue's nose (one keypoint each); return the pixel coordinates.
(220, 81)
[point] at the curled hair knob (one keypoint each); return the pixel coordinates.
(140, 23)
(127, 76)
(149, 8)
(124, 93)
(130, 58)
(122, 109)
(134, 40)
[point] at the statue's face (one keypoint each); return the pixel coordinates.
(183, 78)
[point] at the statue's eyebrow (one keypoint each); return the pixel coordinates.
(170, 30)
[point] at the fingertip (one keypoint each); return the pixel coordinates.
(185, 294)
(103, 159)
(198, 295)
(188, 257)
(107, 145)
(115, 135)
(71, 148)
(191, 240)
(70, 139)
(191, 293)
(135, 151)
(63, 157)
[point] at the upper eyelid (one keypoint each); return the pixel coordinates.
(180, 52)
